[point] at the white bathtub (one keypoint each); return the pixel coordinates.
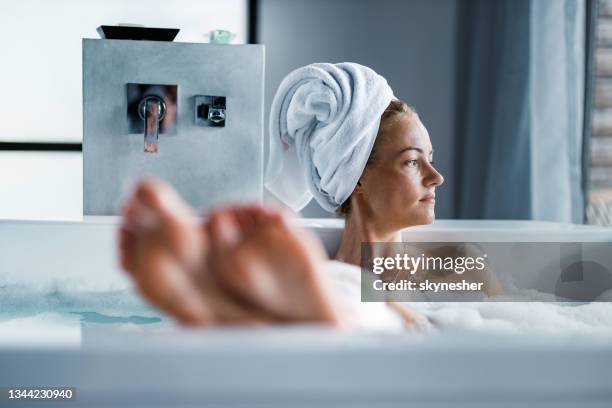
(161, 365)
(86, 250)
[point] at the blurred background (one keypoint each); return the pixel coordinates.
(516, 94)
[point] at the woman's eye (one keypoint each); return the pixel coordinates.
(412, 163)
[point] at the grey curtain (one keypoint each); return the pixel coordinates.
(520, 113)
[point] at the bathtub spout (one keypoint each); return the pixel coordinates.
(152, 110)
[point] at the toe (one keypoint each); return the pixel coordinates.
(155, 193)
(166, 202)
(244, 219)
(258, 214)
(138, 217)
(176, 219)
(161, 198)
(148, 192)
(272, 220)
(223, 228)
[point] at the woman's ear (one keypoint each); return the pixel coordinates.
(362, 182)
(358, 187)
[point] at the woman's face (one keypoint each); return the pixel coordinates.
(398, 187)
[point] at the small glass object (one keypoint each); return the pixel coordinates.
(221, 36)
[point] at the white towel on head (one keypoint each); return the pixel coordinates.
(323, 123)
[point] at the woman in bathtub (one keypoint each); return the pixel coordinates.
(338, 134)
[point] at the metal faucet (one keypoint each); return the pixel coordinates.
(152, 110)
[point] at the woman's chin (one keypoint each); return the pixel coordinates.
(420, 219)
(429, 219)
(427, 215)
(427, 212)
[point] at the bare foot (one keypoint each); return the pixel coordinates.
(164, 249)
(255, 270)
(161, 247)
(260, 257)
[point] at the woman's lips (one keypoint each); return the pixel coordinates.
(429, 198)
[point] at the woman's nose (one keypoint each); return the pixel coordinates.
(434, 178)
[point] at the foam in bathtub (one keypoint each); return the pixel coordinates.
(536, 313)
(522, 311)
(559, 319)
(72, 303)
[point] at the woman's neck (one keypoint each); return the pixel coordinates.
(358, 230)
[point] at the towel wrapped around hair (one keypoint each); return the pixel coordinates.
(323, 123)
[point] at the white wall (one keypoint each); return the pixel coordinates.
(40, 48)
(41, 185)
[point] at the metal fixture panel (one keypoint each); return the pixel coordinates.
(208, 165)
